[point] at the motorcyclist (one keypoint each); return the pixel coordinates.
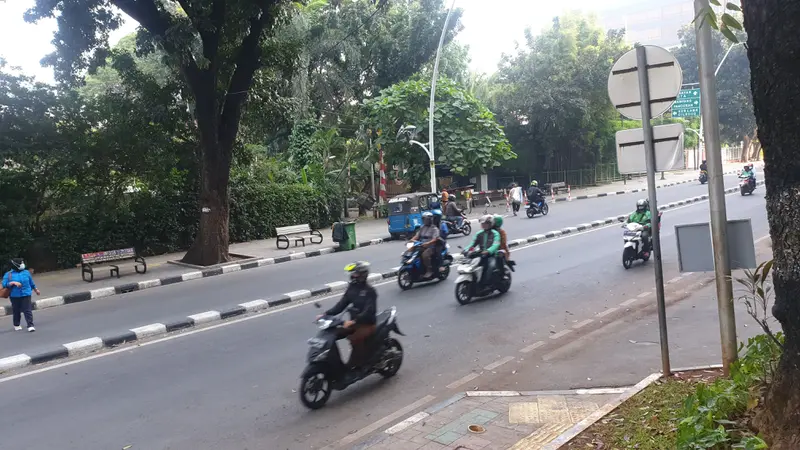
(535, 194)
(363, 302)
(443, 232)
(487, 242)
(703, 166)
(453, 214)
(498, 226)
(748, 173)
(428, 235)
(643, 217)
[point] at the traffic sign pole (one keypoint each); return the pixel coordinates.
(655, 235)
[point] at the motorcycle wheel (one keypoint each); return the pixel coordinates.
(505, 285)
(466, 229)
(316, 382)
(545, 209)
(529, 212)
(394, 354)
(445, 273)
(741, 189)
(628, 255)
(404, 280)
(464, 292)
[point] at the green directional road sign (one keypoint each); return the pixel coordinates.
(687, 104)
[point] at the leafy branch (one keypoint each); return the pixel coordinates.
(758, 297)
(726, 23)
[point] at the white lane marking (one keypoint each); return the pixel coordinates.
(674, 280)
(463, 380)
(149, 330)
(606, 312)
(601, 391)
(254, 305)
(582, 324)
(102, 292)
(499, 363)
(195, 275)
(629, 302)
(84, 346)
(532, 347)
(644, 294)
(560, 334)
(14, 362)
(205, 317)
(492, 394)
(349, 439)
(407, 423)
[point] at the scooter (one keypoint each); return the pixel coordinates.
(469, 284)
(412, 269)
(326, 371)
(634, 244)
(531, 209)
(703, 177)
(465, 228)
(747, 185)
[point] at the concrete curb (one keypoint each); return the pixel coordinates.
(155, 329)
(584, 424)
(93, 294)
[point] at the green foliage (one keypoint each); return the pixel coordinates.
(301, 149)
(467, 136)
(710, 414)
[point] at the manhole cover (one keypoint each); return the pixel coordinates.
(477, 429)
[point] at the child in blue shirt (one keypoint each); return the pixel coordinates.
(21, 284)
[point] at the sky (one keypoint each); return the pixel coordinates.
(491, 28)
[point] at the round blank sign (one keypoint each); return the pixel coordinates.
(665, 76)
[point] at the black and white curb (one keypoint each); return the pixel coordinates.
(234, 267)
(96, 343)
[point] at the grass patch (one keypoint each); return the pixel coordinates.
(648, 421)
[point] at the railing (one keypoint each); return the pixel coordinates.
(600, 174)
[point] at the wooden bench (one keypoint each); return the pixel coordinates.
(90, 260)
(287, 234)
(556, 186)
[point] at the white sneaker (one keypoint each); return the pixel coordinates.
(31, 329)
(17, 328)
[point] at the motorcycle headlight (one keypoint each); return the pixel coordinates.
(324, 324)
(410, 245)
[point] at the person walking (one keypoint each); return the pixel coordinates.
(20, 283)
(516, 197)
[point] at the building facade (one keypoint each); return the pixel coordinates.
(653, 22)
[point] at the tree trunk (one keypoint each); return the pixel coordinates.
(773, 45)
(746, 143)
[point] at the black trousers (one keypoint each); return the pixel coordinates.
(22, 305)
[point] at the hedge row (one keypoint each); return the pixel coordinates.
(156, 224)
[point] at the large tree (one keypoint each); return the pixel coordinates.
(773, 46)
(217, 45)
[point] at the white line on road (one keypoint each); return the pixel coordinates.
(629, 302)
(463, 380)
(674, 280)
(407, 423)
(643, 295)
(350, 438)
(560, 334)
(582, 324)
(499, 363)
(606, 312)
(532, 347)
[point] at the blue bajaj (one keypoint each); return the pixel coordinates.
(412, 269)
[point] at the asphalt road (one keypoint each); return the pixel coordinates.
(112, 315)
(232, 386)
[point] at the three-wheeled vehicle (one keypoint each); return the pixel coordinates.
(405, 212)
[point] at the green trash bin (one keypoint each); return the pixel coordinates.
(351, 243)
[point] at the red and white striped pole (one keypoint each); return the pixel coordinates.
(382, 191)
(553, 195)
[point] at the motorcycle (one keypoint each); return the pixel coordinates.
(747, 185)
(469, 283)
(326, 372)
(412, 269)
(465, 228)
(531, 209)
(703, 177)
(634, 244)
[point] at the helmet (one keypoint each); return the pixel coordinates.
(487, 219)
(498, 221)
(746, 166)
(704, 161)
(427, 218)
(359, 271)
(534, 183)
(435, 212)
(642, 205)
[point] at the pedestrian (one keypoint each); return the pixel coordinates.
(516, 197)
(20, 283)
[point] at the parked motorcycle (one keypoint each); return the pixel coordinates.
(703, 177)
(412, 269)
(634, 244)
(469, 284)
(746, 184)
(326, 371)
(453, 228)
(531, 209)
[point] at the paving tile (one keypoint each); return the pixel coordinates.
(553, 408)
(471, 442)
(523, 412)
(433, 446)
(448, 437)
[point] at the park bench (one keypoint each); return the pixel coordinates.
(291, 233)
(555, 187)
(90, 261)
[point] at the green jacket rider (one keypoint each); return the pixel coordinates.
(488, 239)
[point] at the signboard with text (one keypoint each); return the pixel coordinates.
(687, 104)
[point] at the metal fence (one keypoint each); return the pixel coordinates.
(600, 174)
